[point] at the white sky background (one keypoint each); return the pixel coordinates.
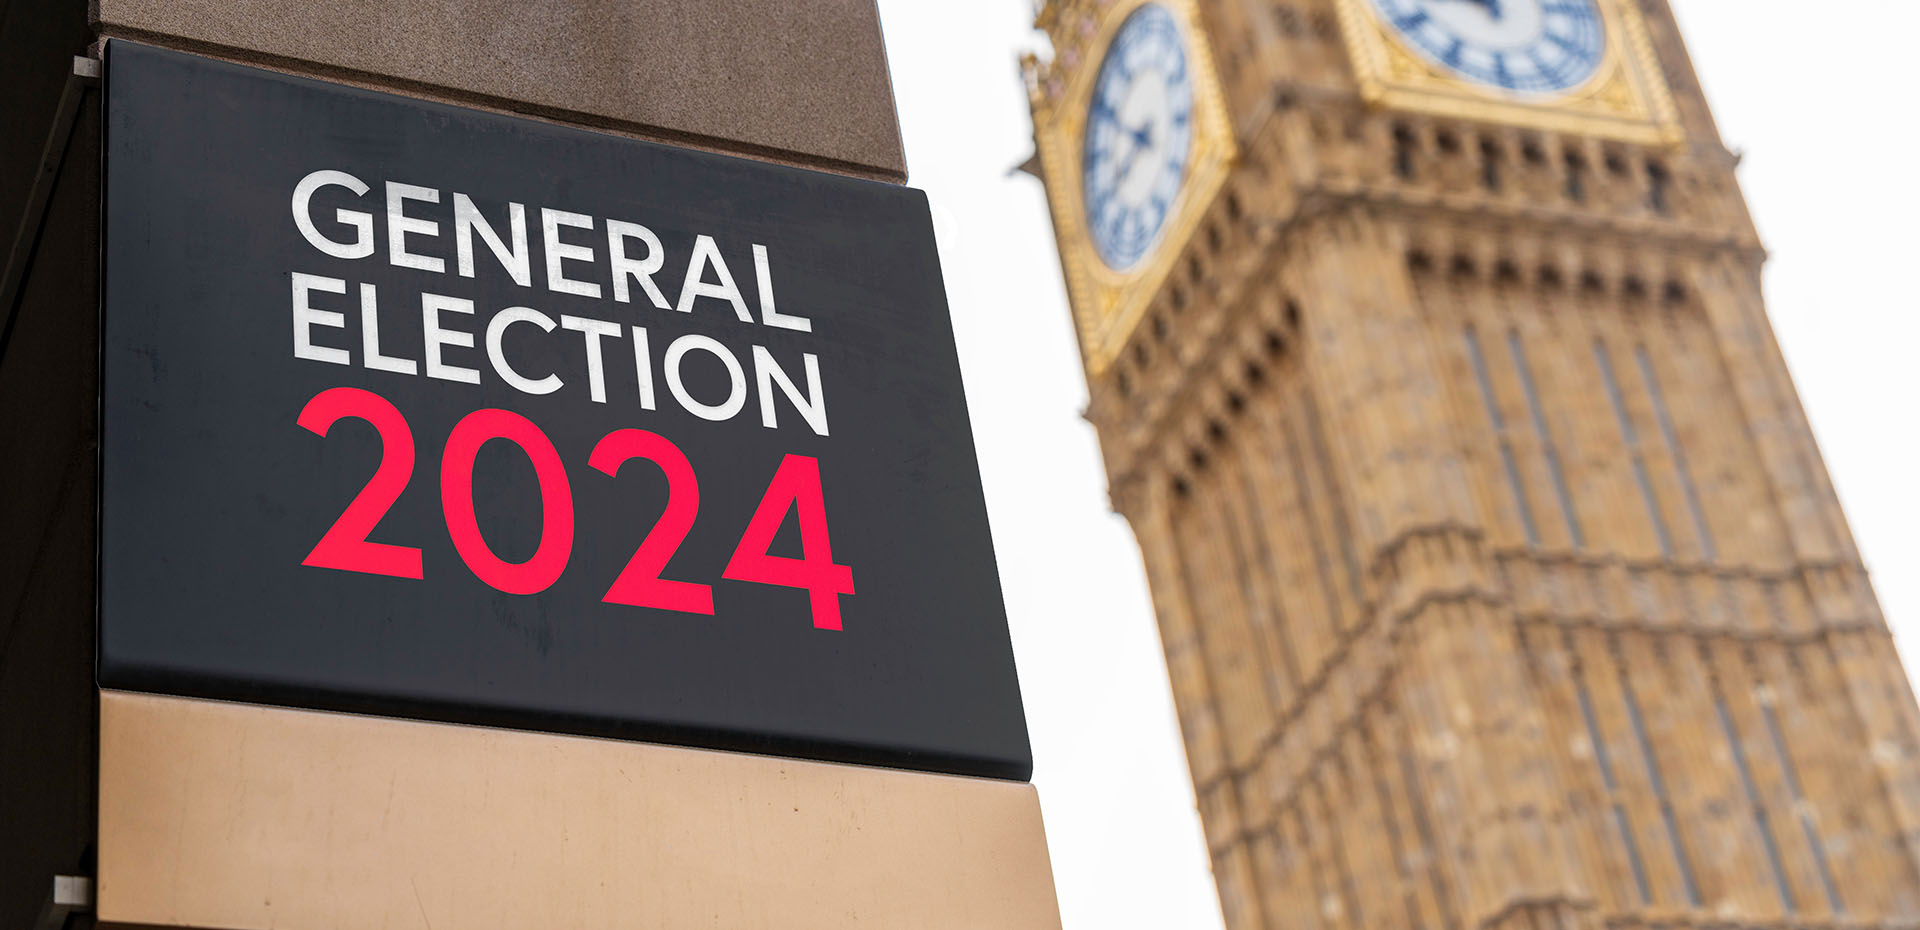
(1822, 106)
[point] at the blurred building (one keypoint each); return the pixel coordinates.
(1500, 579)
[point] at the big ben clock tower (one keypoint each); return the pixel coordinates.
(1500, 579)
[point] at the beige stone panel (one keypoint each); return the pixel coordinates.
(1454, 780)
(1277, 541)
(1371, 844)
(1730, 666)
(1572, 402)
(1733, 867)
(806, 78)
(1681, 734)
(1296, 892)
(1265, 870)
(1492, 323)
(1315, 499)
(241, 817)
(1254, 564)
(1725, 461)
(1318, 833)
(1193, 692)
(1764, 394)
(1599, 660)
(1344, 838)
(1423, 875)
(1240, 889)
(1474, 439)
(1643, 331)
(1585, 829)
(1865, 665)
(1634, 521)
(1310, 621)
(1246, 713)
(1820, 738)
(1854, 802)
(1592, 450)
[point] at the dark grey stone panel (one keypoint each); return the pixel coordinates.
(802, 78)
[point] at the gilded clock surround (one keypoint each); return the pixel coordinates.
(1108, 303)
(1625, 98)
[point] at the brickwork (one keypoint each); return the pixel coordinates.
(1500, 579)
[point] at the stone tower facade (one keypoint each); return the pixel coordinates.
(1500, 579)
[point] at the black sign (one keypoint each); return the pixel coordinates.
(417, 410)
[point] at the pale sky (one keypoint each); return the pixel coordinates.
(1820, 106)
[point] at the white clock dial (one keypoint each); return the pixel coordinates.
(1523, 46)
(1138, 137)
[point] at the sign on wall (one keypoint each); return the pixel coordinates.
(423, 411)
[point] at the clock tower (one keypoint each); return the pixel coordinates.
(1500, 580)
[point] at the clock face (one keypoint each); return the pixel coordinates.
(1524, 46)
(1138, 138)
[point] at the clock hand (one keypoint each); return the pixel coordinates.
(1491, 6)
(1143, 140)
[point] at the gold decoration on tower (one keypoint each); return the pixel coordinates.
(1108, 303)
(1626, 98)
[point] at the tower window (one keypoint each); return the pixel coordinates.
(1287, 19)
(1657, 183)
(1403, 151)
(1576, 177)
(1490, 164)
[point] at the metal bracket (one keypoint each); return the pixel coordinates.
(71, 894)
(85, 76)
